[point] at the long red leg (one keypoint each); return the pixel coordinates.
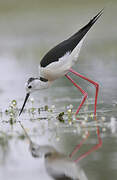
(98, 132)
(85, 96)
(81, 90)
(94, 148)
(92, 82)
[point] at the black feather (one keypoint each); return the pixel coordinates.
(31, 79)
(63, 177)
(68, 45)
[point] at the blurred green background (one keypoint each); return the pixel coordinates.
(28, 29)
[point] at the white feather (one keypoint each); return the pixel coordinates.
(61, 67)
(56, 69)
(75, 53)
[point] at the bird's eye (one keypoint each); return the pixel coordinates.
(29, 87)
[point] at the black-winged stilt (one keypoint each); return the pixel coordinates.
(59, 61)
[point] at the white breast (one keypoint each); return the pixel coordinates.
(61, 67)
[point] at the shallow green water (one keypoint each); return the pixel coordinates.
(28, 30)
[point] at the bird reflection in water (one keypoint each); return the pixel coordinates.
(58, 165)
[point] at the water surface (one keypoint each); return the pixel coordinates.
(28, 30)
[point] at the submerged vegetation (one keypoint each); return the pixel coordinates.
(49, 119)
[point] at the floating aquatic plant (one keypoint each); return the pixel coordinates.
(32, 110)
(69, 114)
(60, 117)
(14, 103)
(12, 112)
(92, 115)
(46, 108)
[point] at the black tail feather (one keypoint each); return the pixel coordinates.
(94, 19)
(86, 28)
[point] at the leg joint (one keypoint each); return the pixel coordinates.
(97, 85)
(85, 95)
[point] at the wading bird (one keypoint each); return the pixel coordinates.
(58, 62)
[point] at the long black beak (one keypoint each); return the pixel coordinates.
(26, 98)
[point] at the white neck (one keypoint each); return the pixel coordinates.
(38, 85)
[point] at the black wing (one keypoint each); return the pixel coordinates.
(68, 45)
(63, 177)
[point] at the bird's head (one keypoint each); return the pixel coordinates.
(32, 85)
